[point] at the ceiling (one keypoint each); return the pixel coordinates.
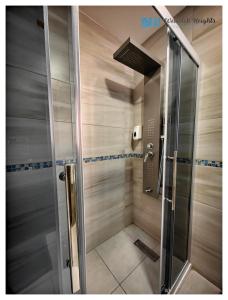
(124, 21)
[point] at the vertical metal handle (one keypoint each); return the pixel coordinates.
(71, 197)
(174, 180)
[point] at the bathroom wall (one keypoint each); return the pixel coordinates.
(207, 208)
(206, 255)
(107, 120)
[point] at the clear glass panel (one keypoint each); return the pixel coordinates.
(172, 140)
(180, 140)
(31, 248)
(187, 107)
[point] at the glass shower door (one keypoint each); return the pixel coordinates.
(178, 162)
(44, 202)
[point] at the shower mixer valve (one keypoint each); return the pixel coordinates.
(149, 154)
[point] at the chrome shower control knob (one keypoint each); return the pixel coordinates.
(150, 146)
(149, 154)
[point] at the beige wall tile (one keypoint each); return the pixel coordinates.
(106, 226)
(102, 140)
(207, 225)
(209, 139)
(144, 220)
(157, 44)
(210, 93)
(208, 186)
(147, 211)
(106, 115)
(107, 118)
(206, 253)
(207, 264)
(202, 12)
(107, 194)
(182, 18)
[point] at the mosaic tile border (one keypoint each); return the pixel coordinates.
(112, 157)
(209, 163)
(48, 164)
(28, 166)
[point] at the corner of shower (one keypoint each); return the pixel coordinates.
(165, 165)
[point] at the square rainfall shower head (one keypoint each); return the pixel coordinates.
(136, 57)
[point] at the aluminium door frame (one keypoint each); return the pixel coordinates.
(77, 144)
(176, 30)
(52, 135)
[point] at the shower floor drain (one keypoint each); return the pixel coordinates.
(146, 250)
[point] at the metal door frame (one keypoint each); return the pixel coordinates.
(77, 145)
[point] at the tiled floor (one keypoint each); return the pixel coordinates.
(117, 266)
(194, 283)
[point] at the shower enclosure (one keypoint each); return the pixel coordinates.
(178, 162)
(45, 246)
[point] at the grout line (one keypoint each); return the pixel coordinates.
(25, 69)
(198, 202)
(120, 282)
(123, 290)
(106, 265)
(134, 269)
(205, 33)
(108, 126)
(119, 286)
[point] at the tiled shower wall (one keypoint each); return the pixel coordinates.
(206, 255)
(107, 120)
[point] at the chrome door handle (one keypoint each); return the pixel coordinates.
(174, 180)
(71, 197)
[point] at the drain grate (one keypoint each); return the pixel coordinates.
(146, 250)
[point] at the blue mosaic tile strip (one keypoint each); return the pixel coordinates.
(29, 166)
(209, 163)
(112, 157)
(48, 164)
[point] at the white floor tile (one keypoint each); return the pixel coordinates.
(120, 255)
(119, 290)
(144, 279)
(99, 279)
